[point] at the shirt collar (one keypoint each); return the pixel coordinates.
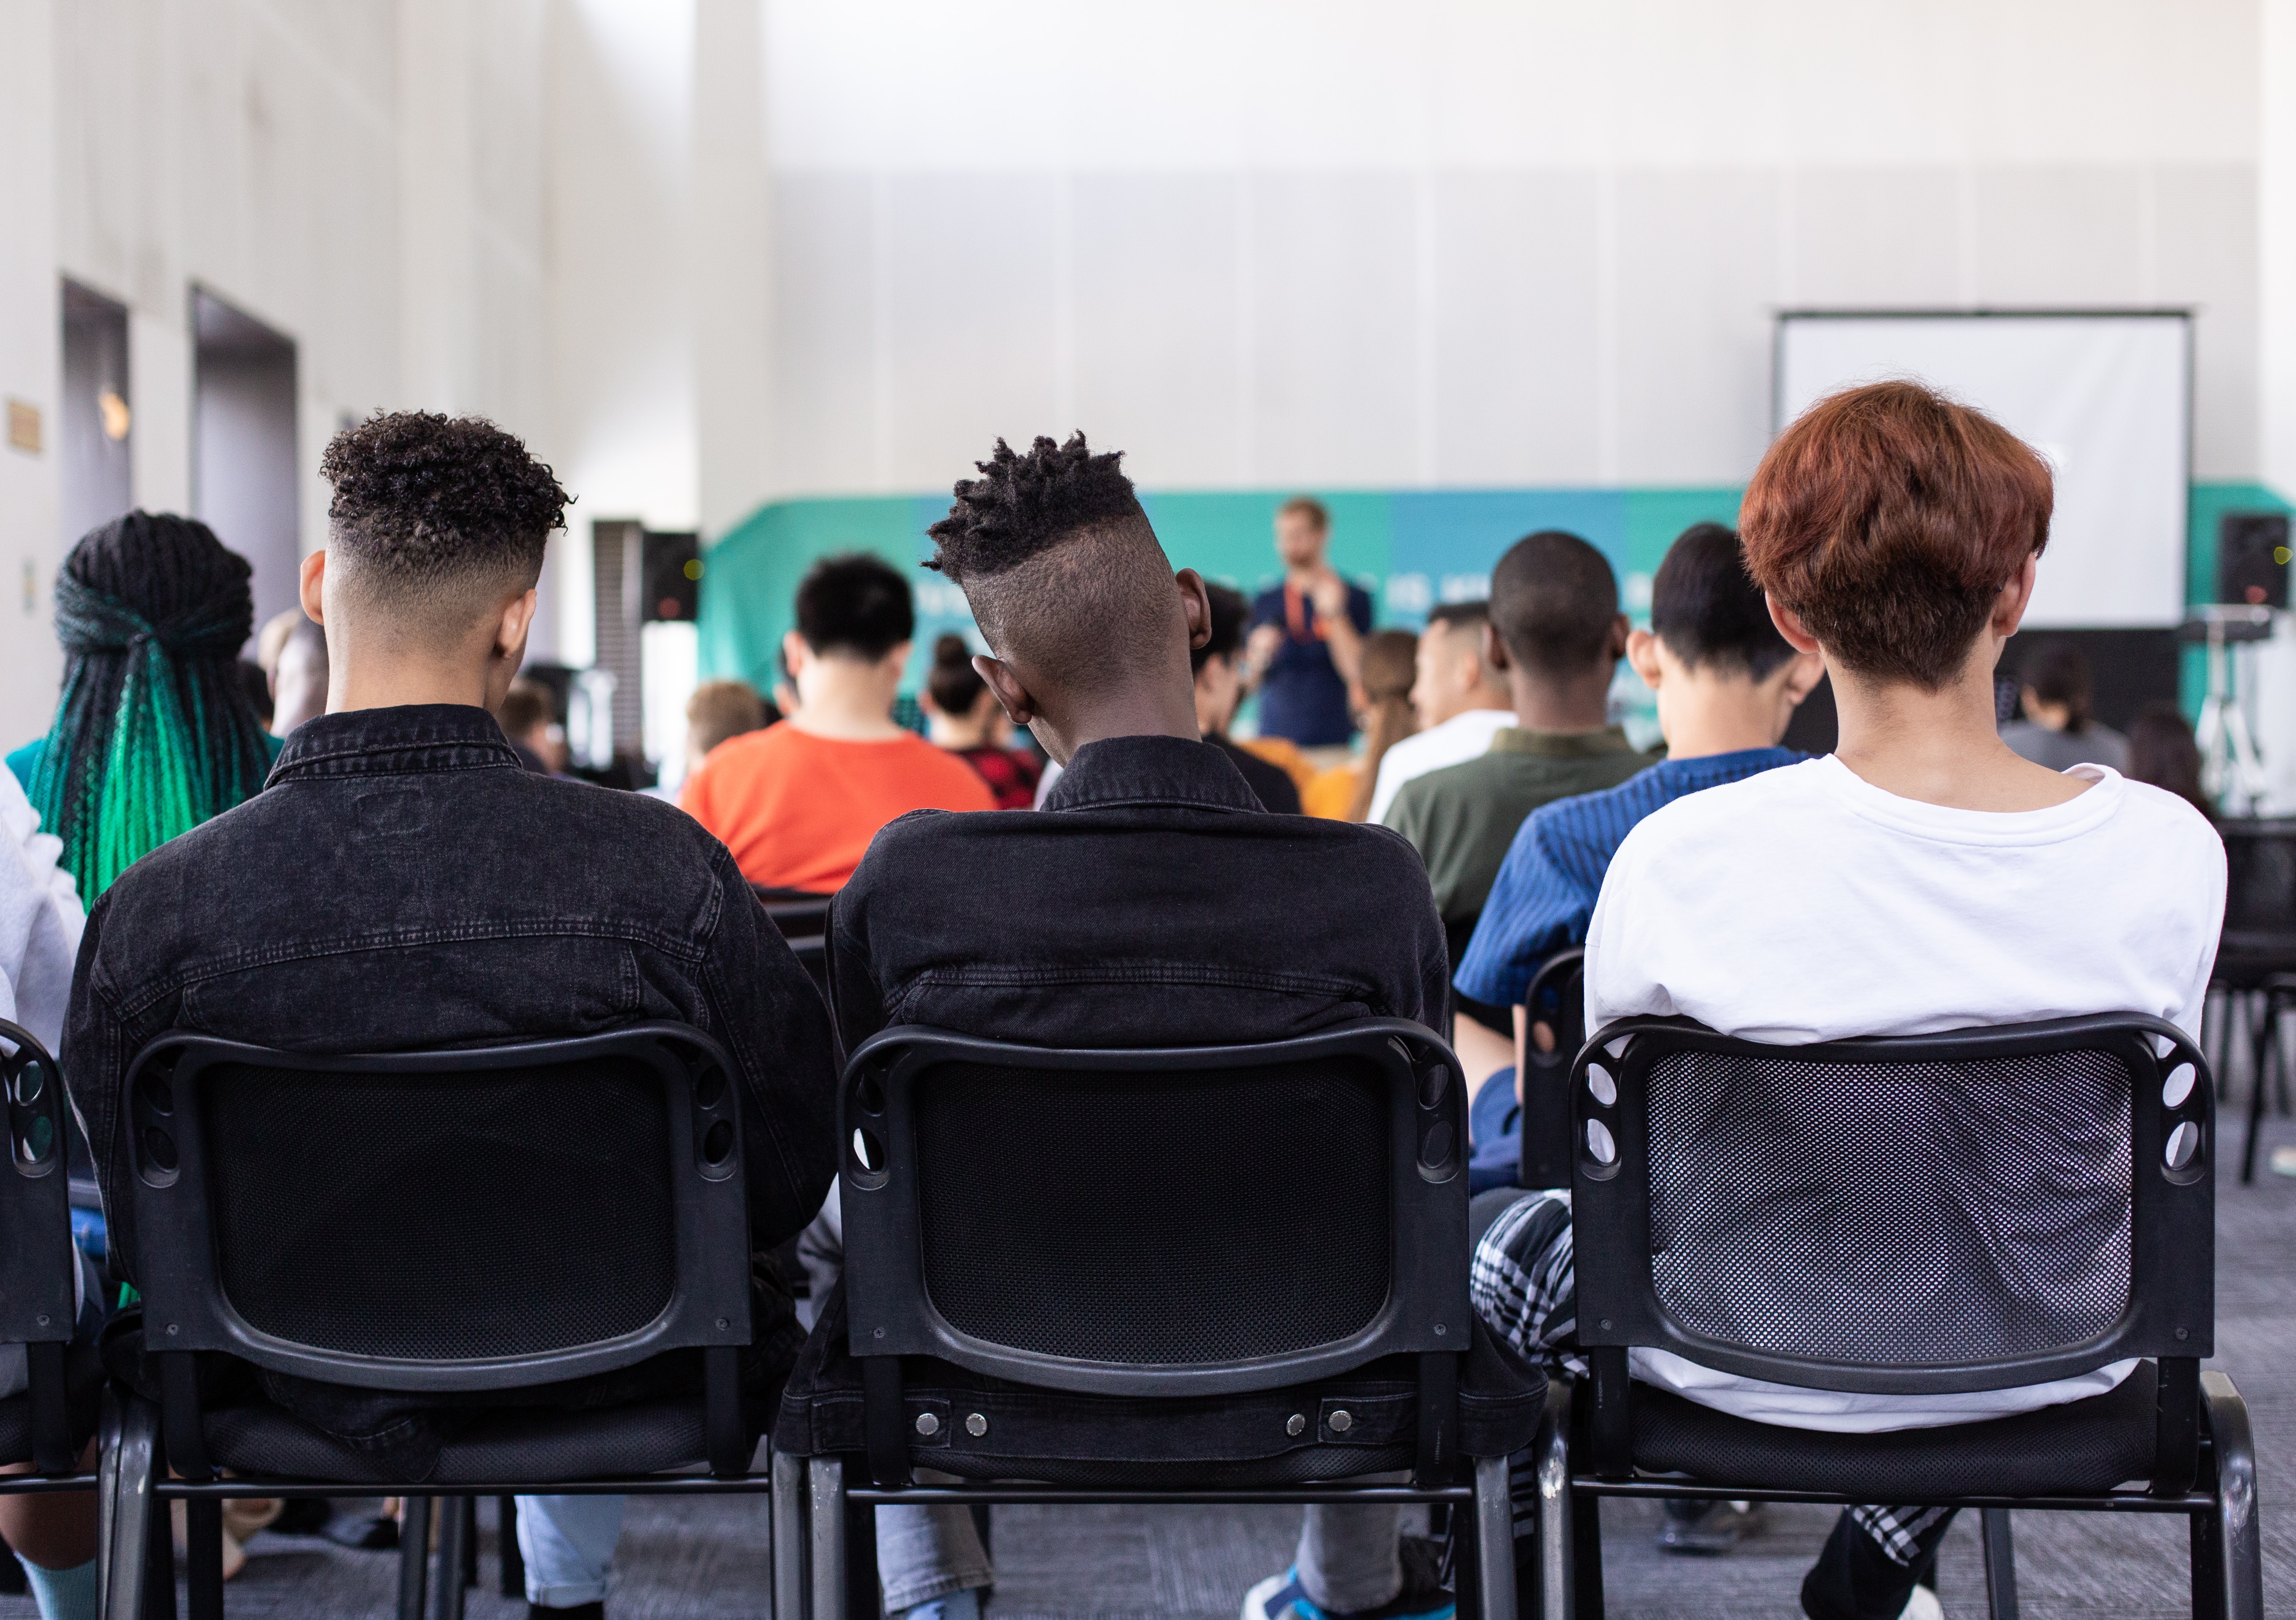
(1123, 772)
(391, 742)
(1561, 745)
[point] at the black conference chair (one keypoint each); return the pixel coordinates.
(1973, 1210)
(1224, 1274)
(2255, 959)
(466, 1223)
(1556, 996)
(803, 920)
(51, 1421)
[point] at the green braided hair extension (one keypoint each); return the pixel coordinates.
(153, 733)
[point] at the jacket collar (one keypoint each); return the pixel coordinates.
(1561, 745)
(1123, 772)
(411, 738)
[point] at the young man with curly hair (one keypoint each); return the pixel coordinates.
(401, 882)
(1151, 902)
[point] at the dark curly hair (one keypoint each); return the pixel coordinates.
(1064, 573)
(1022, 505)
(431, 506)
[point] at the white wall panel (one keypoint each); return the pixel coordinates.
(2204, 227)
(2061, 235)
(825, 429)
(1873, 237)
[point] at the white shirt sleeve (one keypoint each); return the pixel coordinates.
(41, 919)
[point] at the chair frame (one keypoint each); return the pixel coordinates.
(36, 1286)
(185, 1305)
(2204, 1454)
(1546, 1124)
(891, 1314)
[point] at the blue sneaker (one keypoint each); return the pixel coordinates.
(1282, 1598)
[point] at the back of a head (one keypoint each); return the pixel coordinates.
(2057, 672)
(855, 606)
(1064, 574)
(526, 707)
(717, 710)
(153, 733)
(1391, 663)
(1708, 610)
(435, 520)
(1554, 603)
(1889, 518)
(2161, 751)
(1231, 617)
(955, 685)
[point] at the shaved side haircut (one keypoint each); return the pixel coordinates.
(1064, 575)
(1554, 602)
(436, 518)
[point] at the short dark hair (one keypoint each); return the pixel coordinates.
(529, 703)
(1318, 515)
(955, 685)
(437, 512)
(1460, 616)
(1554, 603)
(1231, 613)
(1889, 518)
(715, 710)
(855, 604)
(1059, 563)
(2057, 672)
(1708, 610)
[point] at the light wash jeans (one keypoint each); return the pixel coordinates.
(568, 1543)
(1349, 1557)
(922, 1553)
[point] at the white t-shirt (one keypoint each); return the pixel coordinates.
(1456, 741)
(1806, 905)
(40, 920)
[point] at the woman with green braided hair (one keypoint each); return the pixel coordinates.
(153, 733)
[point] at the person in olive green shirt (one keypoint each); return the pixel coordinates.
(1556, 633)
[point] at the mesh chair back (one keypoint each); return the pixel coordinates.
(443, 1219)
(2259, 925)
(1232, 1218)
(1973, 1210)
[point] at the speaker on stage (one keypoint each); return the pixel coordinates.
(2253, 559)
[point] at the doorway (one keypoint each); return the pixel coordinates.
(244, 445)
(93, 424)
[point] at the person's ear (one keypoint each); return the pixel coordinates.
(2016, 596)
(314, 586)
(1803, 672)
(511, 630)
(1012, 697)
(795, 654)
(1621, 626)
(1642, 653)
(896, 660)
(1494, 649)
(1196, 603)
(1790, 625)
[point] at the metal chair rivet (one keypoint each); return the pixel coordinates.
(976, 1425)
(927, 1425)
(1342, 1422)
(1295, 1424)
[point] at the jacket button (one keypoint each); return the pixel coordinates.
(1342, 1422)
(927, 1425)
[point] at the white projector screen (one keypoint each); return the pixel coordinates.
(2107, 398)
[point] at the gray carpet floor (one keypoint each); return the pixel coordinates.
(685, 1561)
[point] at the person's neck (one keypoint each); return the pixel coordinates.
(958, 734)
(1719, 716)
(1481, 699)
(1940, 748)
(390, 682)
(1549, 703)
(1130, 713)
(846, 700)
(1301, 575)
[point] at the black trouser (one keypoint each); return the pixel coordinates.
(1872, 1561)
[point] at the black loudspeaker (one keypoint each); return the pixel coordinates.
(672, 577)
(2253, 559)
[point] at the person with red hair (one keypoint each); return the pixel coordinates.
(1922, 877)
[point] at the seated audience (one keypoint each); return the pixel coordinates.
(717, 711)
(1218, 665)
(460, 934)
(153, 733)
(1381, 698)
(53, 1534)
(529, 717)
(1556, 635)
(798, 802)
(1924, 877)
(1461, 701)
(2161, 751)
(1307, 633)
(2058, 730)
(962, 715)
(1150, 902)
(299, 675)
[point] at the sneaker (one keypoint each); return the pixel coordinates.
(1923, 1605)
(1706, 1529)
(2283, 1161)
(1282, 1598)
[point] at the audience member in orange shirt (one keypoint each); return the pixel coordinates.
(798, 803)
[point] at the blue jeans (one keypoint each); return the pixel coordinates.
(568, 1543)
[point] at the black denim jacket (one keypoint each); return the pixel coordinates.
(1151, 902)
(402, 882)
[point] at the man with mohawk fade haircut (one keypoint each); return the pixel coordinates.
(1151, 902)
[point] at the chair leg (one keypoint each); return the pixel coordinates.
(2259, 1035)
(2000, 1565)
(160, 1564)
(2239, 1574)
(454, 1524)
(107, 1496)
(1587, 1557)
(513, 1561)
(129, 1460)
(826, 1509)
(1558, 1583)
(413, 1556)
(1493, 1539)
(470, 1541)
(787, 1548)
(203, 1558)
